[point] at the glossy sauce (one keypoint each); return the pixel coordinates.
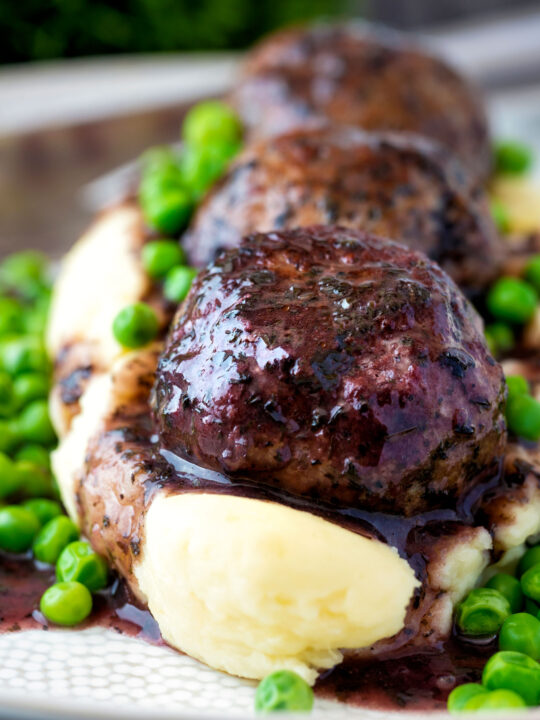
(23, 582)
(420, 681)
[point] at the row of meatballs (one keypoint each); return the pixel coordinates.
(327, 358)
(314, 354)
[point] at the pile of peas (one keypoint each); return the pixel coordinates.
(31, 518)
(512, 302)
(514, 159)
(507, 605)
(172, 183)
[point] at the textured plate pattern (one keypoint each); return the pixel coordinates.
(123, 675)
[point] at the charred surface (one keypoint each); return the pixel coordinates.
(337, 366)
(364, 76)
(399, 186)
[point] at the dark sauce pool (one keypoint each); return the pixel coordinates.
(22, 583)
(413, 682)
(420, 681)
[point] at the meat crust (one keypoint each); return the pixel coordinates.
(364, 76)
(336, 365)
(399, 186)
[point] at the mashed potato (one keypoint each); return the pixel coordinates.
(520, 197)
(99, 276)
(250, 587)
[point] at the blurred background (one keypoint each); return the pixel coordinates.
(86, 85)
(41, 30)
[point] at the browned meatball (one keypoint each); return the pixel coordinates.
(361, 76)
(396, 185)
(336, 365)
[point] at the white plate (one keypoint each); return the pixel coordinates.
(99, 673)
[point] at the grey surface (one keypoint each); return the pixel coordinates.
(413, 14)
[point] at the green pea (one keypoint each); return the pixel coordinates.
(160, 256)
(283, 690)
(461, 694)
(530, 557)
(44, 509)
(211, 123)
(530, 583)
(531, 607)
(178, 283)
(532, 272)
(512, 300)
(500, 216)
(495, 700)
(169, 211)
(160, 167)
(53, 538)
(517, 385)
(18, 528)
(482, 612)
(33, 480)
(35, 323)
(30, 386)
(79, 562)
(499, 338)
(136, 325)
(36, 454)
(508, 586)
(521, 632)
(523, 416)
(56, 494)
(23, 354)
(35, 320)
(512, 157)
(10, 481)
(34, 424)
(7, 395)
(11, 314)
(202, 165)
(166, 204)
(25, 273)
(160, 159)
(508, 670)
(66, 603)
(9, 435)
(21, 266)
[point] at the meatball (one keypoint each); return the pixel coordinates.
(397, 185)
(361, 76)
(336, 365)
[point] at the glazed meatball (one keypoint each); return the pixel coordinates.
(367, 77)
(396, 185)
(336, 365)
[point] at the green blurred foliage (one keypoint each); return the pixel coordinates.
(46, 29)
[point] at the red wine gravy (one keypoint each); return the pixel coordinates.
(23, 582)
(420, 681)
